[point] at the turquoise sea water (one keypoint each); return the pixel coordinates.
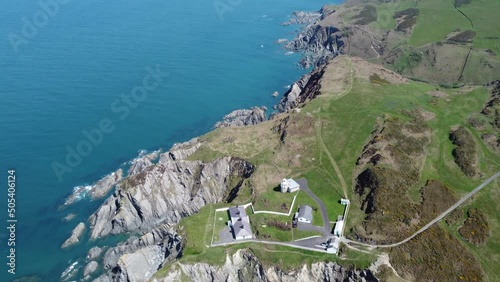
(65, 78)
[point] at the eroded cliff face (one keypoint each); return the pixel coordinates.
(138, 258)
(306, 88)
(166, 192)
(319, 42)
(244, 266)
(243, 117)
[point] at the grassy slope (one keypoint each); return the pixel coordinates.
(437, 19)
(346, 126)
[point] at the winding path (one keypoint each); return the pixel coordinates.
(438, 218)
(332, 160)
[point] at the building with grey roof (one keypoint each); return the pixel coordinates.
(236, 213)
(305, 214)
(242, 230)
(240, 223)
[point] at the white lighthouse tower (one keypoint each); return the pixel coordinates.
(285, 184)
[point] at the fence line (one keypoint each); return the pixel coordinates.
(269, 212)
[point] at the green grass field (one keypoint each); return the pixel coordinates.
(439, 17)
(221, 218)
(261, 225)
(385, 12)
(272, 200)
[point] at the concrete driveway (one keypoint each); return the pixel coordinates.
(302, 226)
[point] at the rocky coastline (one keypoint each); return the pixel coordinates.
(318, 42)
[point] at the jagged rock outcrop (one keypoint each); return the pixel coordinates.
(306, 88)
(167, 192)
(100, 189)
(76, 234)
(142, 162)
(244, 266)
(318, 42)
(103, 186)
(137, 259)
(244, 117)
(301, 17)
(181, 151)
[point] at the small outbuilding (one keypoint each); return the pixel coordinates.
(344, 202)
(289, 185)
(339, 226)
(305, 214)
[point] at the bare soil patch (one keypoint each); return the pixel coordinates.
(366, 70)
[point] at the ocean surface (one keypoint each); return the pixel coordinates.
(67, 67)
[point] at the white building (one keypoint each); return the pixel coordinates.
(339, 227)
(289, 185)
(305, 214)
(242, 230)
(344, 202)
(333, 246)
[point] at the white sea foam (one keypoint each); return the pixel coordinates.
(79, 192)
(70, 271)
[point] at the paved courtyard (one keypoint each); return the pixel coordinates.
(226, 235)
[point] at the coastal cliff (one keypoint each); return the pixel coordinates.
(138, 258)
(245, 266)
(167, 191)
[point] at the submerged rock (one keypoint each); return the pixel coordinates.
(69, 217)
